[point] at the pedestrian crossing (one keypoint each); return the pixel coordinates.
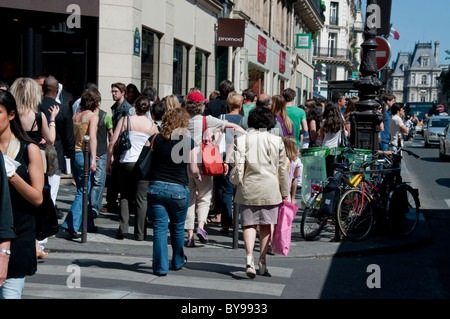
(101, 276)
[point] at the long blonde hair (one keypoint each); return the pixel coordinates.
(27, 93)
(172, 102)
(279, 108)
(290, 145)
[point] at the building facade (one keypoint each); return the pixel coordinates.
(415, 75)
(337, 46)
(272, 58)
(170, 45)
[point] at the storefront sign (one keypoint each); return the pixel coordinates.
(231, 32)
(262, 49)
(303, 41)
(282, 61)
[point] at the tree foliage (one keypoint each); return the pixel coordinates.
(445, 78)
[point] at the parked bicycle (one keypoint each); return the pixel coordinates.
(321, 206)
(381, 198)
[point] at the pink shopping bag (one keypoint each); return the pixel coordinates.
(281, 241)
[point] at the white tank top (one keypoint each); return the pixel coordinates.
(138, 141)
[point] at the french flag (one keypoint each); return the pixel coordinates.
(394, 34)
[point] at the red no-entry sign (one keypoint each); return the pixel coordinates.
(383, 53)
(440, 108)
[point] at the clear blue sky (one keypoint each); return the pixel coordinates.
(419, 21)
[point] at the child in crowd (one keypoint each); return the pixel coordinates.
(295, 166)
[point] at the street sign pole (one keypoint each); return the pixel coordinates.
(366, 120)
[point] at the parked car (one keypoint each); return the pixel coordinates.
(436, 125)
(444, 143)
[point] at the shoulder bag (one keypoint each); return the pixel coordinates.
(212, 162)
(344, 142)
(123, 143)
(144, 162)
(46, 219)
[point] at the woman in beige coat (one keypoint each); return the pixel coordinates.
(261, 175)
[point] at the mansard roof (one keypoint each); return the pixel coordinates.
(423, 50)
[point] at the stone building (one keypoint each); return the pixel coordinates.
(337, 46)
(415, 75)
(170, 45)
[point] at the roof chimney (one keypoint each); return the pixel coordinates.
(436, 52)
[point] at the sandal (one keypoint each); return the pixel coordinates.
(214, 220)
(250, 267)
(263, 271)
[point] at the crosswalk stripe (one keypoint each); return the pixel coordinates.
(41, 291)
(142, 273)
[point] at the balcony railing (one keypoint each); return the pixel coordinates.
(342, 55)
(324, 52)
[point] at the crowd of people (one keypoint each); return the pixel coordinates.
(261, 135)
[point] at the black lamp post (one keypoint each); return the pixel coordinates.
(365, 121)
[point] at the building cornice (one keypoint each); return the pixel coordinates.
(309, 15)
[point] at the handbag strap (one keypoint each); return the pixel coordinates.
(123, 125)
(205, 129)
(128, 123)
(153, 140)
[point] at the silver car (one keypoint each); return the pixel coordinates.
(444, 144)
(435, 126)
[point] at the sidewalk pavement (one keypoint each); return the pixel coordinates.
(219, 244)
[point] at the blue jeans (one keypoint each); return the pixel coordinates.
(98, 184)
(224, 199)
(13, 288)
(75, 216)
(166, 202)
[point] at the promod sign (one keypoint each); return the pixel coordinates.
(231, 33)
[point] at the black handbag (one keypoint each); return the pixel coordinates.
(142, 166)
(344, 140)
(46, 219)
(123, 143)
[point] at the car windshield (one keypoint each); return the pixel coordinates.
(439, 123)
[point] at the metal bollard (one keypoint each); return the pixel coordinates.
(85, 189)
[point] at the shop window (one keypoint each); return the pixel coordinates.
(150, 59)
(282, 86)
(201, 71)
(256, 79)
(180, 68)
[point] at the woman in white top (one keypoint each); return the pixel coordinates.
(330, 132)
(131, 187)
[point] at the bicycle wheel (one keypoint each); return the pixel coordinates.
(354, 215)
(403, 209)
(312, 222)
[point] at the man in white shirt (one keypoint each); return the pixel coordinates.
(396, 125)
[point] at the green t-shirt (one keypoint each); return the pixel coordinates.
(108, 121)
(247, 108)
(296, 114)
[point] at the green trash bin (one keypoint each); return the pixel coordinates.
(314, 169)
(357, 158)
